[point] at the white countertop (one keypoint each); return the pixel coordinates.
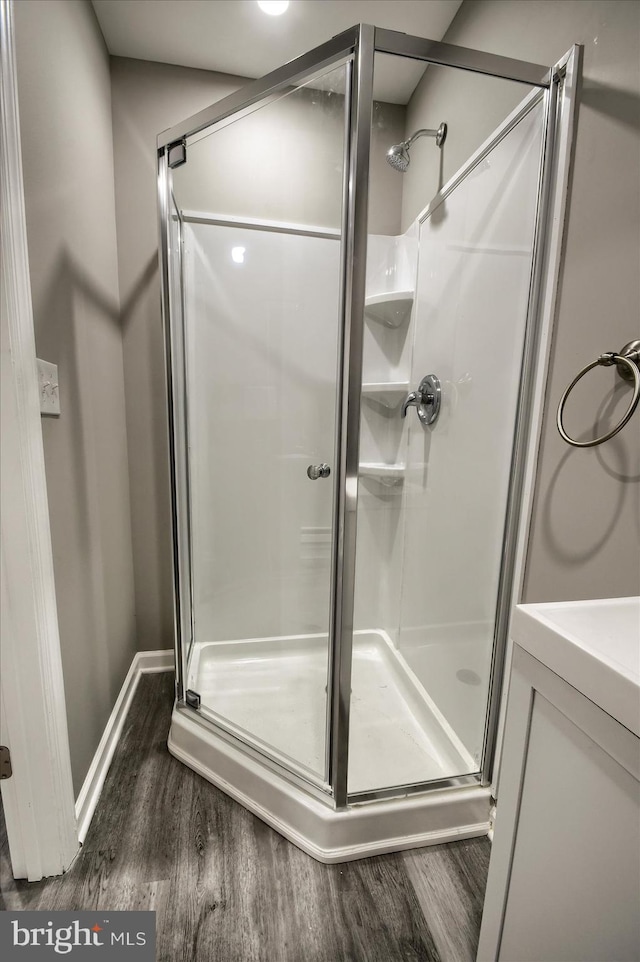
(594, 645)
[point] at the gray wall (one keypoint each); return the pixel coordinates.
(585, 538)
(472, 107)
(65, 114)
(284, 162)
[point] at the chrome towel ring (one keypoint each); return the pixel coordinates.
(628, 364)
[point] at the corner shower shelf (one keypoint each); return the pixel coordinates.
(389, 393)
(390, 309)
(387, 474)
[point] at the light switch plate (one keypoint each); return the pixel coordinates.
(48, 388)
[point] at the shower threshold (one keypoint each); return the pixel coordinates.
(276, 687)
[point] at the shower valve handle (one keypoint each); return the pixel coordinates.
(426, 399)
(412, 399)
(315, 471)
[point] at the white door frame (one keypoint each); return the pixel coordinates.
(38, 799)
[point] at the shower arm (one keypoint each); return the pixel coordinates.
(420, 133)
(440, 135)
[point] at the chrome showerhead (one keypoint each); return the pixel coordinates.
(398, 155)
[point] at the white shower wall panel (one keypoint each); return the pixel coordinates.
(473, 288)
(378, 557)
(391, 261)
(391, 266)
(262, 343)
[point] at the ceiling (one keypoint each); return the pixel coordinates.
(236, 37)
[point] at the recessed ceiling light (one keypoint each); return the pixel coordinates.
(273, 7)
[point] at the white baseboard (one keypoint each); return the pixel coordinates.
(143, 661)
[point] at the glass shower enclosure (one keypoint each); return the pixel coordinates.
(350, 346)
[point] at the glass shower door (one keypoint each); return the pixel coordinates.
(260, 205)
(449, 269)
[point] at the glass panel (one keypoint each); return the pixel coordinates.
(261, 201)
(447, 294)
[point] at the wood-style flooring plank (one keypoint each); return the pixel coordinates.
(226, 886)
(449, 881)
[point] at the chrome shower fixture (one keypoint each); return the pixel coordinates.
(398, 155)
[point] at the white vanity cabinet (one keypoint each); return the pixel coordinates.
(564, 876)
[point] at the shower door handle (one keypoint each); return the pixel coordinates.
(315, 471)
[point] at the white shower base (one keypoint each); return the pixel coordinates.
(274, 689)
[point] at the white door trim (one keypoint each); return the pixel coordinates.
(38, 799)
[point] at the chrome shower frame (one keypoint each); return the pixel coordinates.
(356, 48)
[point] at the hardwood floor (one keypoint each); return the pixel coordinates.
(227, 887)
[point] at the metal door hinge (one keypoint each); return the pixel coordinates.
(492, 818)
(177, 154)
(192, 698)
(5, 762)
